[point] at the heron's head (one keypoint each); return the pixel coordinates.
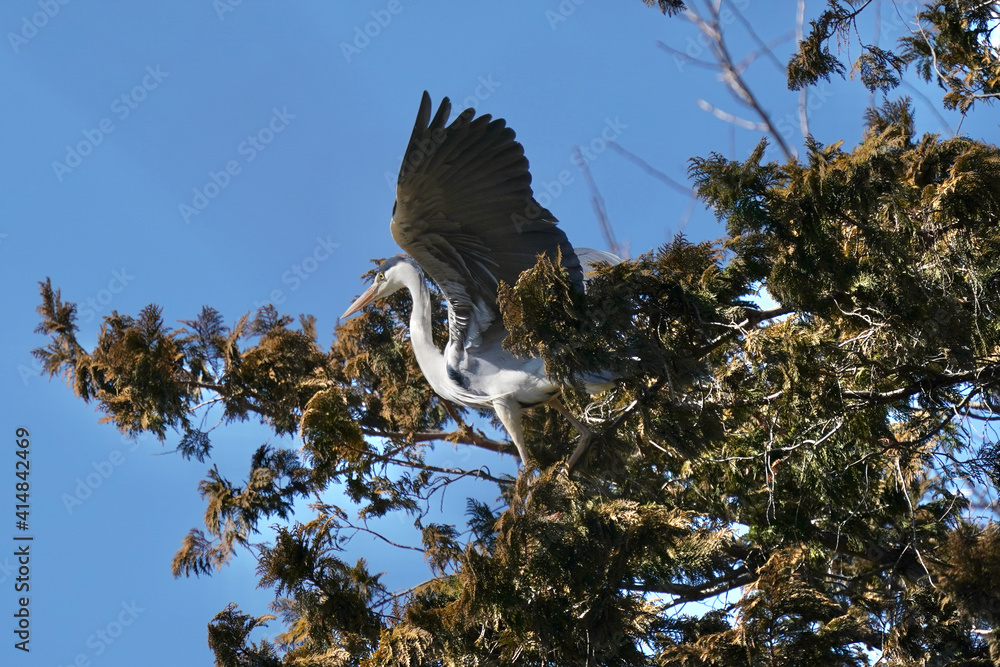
(389, 278)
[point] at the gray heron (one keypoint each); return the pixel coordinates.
(467, 219)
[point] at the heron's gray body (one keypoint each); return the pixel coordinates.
(480, 373)
(466, 215)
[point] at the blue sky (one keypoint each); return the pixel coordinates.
(234, 153)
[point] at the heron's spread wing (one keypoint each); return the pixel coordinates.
(465, 212)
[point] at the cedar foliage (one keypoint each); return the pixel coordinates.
(951, 44)
(821, 461)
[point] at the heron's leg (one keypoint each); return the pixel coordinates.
(585, 433)
(509, 412)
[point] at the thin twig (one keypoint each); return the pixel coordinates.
(694, 61)
(461, 436)
(731, 118)
(365, 529)
(597, 201)
(930, 105)
(651, 170)
(766, 48)
(751, 57)
(732, 76)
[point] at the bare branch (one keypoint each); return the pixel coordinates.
(597, 201)
(732, 76)
(727, 117)
(694, 61)
(474, 437)
(685, 593)
(366, 529)
(651, 170)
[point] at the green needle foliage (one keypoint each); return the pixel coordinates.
(816, 470)
(950, 43)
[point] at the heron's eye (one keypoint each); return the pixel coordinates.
(381, 277)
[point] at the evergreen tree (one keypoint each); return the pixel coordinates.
(820, 463)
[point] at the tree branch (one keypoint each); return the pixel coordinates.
(685, 593)
(597, 201)
(732, 75)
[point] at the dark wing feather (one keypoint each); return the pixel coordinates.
(465, 212)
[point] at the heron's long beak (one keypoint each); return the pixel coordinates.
(366, 297)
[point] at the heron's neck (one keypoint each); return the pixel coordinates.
(429, 357)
